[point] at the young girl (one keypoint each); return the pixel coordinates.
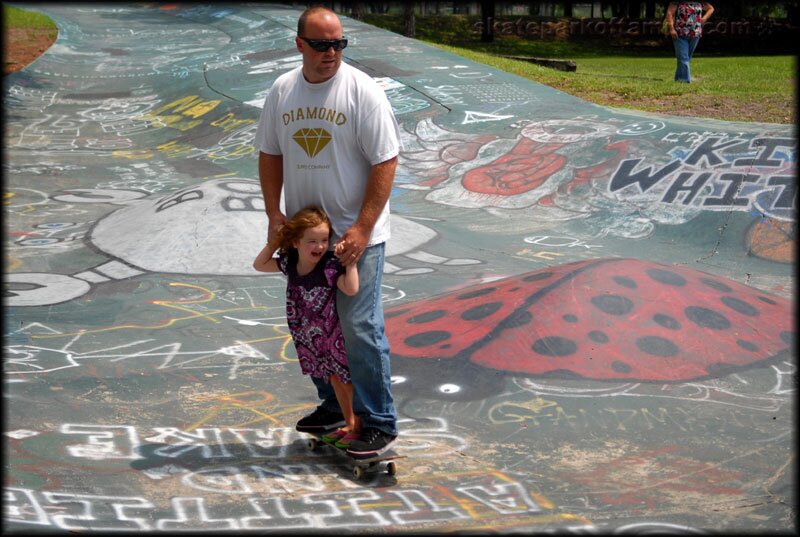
(313, 275)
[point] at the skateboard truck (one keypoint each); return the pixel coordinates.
(360, 466)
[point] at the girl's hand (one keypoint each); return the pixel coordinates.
(348, 282)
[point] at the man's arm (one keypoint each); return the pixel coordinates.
(379, 187)
(270, 174)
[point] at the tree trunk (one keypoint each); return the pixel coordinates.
(650, 9)
(358, 11)
(487, 15)
(568, 9)
(409, 29)
(736, 8)
(632, 9)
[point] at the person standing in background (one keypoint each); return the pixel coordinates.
(685, 22)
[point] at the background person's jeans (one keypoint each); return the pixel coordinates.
(367, 348)
(684, 48)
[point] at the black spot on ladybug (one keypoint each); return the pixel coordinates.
(598, 337)
(707, 318)
(537, 276)
(657, 346)
(717, 286)
(666, 321)
(555, 346)
(624, 281)
(476, 293)
(739, 305)
(427, 339)
(620, 367)
(516, 319)
(427, 317)
(613, 304)
(667, 277)
(481, 312)
(747, 345)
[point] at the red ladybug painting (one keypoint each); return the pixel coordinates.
(604, 319)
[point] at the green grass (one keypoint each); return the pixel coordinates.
(720, 89)
(14, 17)
(628, 75)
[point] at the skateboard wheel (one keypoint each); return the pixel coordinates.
(312, 444)
(358, 472)
(391, 468)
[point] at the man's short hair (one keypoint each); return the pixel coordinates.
(301, 22)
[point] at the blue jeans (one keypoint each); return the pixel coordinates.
(367, 348)
(684, 48)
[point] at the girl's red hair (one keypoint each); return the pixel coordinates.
(293, 229)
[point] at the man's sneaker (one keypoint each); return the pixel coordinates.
(319, 421)
(372, 443)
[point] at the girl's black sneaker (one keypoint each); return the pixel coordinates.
(320, 421)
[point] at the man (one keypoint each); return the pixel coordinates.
(327, 136)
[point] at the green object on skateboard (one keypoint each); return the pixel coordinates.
(360, 466)
(316, 440)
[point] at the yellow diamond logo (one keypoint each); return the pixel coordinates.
(312, 140)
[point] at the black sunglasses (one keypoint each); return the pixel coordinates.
(322, 45)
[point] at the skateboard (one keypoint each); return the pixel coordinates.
(360, 466)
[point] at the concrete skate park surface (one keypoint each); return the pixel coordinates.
(591, 310)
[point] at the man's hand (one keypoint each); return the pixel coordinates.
(276, 222)
(352, 246)
(379, 185)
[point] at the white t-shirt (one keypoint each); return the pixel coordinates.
(329, 134)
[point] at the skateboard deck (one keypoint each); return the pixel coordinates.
(360, 466)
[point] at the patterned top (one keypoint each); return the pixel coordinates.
(312, 316)
(687, 19)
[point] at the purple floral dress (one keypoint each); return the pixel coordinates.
(687, 19)
(312, 317)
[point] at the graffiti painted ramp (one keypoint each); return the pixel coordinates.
(591, 310)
